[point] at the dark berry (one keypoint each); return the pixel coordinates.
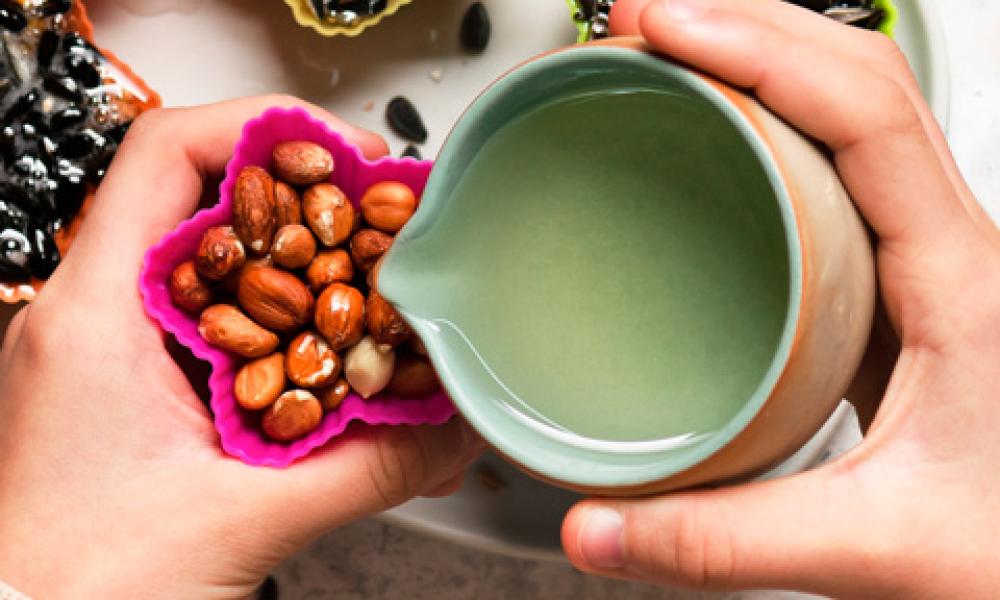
(405, 120)
(475, 32)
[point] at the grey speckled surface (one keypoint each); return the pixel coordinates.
(373, 560)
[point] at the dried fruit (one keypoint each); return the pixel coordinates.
(384, 322)
(255, 213)
(310, 362)
(368, 367)
(224, 326)
(340, 315)
(302, 163)
(475, 31)
(274, 298)
(367, 246)
(219, 253)
(331, 266)
(288, 205)
(331, 397)
(294, 414)
(187, 290)
(294, 247)
(405, 120)
(388, 205)
(413, 377)
(259, 383)
(329, 214)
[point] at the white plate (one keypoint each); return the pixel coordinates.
(196, 51)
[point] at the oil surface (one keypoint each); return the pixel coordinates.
(623, 274)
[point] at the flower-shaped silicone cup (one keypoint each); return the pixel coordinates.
(239, 430)
(305, 17)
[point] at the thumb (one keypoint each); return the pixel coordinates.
(795, 533)
(366, 471)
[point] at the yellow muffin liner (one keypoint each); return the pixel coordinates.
(304, 17)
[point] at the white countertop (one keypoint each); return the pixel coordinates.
(373, 560)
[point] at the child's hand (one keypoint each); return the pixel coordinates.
(112, 483)
(912, 511)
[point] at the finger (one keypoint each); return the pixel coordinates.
(624, 18)
(796, 533)
(872, 49)
(370, 470)
(882, 150)
(447, 488)
(158, 176)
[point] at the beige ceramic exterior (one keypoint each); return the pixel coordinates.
(835, 318)
(835, 315)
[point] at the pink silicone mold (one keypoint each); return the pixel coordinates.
(238, 429)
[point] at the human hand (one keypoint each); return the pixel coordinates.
(911, 512)
(112, 482)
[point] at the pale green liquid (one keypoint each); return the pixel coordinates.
(614, 285)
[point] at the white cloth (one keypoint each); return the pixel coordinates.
(9, 593)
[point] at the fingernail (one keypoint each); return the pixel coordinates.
(682, 10)
(600, 539)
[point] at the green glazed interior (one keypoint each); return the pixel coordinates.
(417, 275)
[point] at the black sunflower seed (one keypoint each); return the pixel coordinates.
(411, 151)
(67, 117)
(475, 32)
(405, 120)
(12, 16)
(71, 189)
(268, 590)
(44, 257)
(65, 87)
(12, 216)
(15, 249)
(74, 42)
(77, 145)
(48, 43)
(56, 7)
(81, 69)
(8, 143)
(117, 133)
(814, 5)
(21, 106)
